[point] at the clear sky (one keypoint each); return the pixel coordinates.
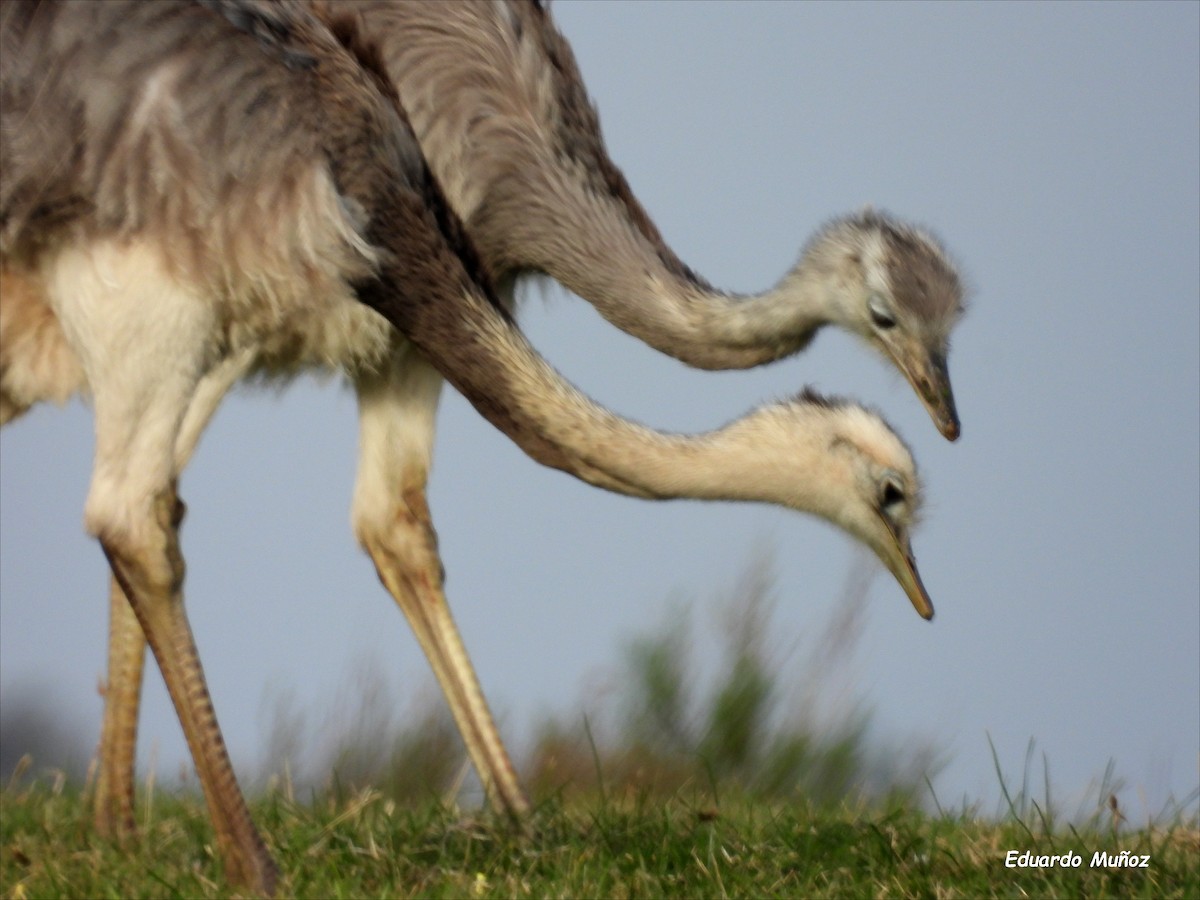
(1055, 147)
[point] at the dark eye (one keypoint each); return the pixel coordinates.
(880, 314)
(891, 495)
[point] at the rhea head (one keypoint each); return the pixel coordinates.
(901, 293)
(842, 462)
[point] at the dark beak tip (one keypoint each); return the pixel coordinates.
(949, 424)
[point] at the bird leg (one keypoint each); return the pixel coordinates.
(118, 737)
(392, 523)
(408, 564)
(142, 337)
(114, 800)
(150, 572)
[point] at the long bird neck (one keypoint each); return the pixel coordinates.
(535, 185)
(426, 292)
(636, 281)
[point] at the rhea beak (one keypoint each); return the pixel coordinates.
(898, 557)
(930, 378)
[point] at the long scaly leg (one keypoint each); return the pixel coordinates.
(114, 802)
(391, 519)
(118, 737)
(143, 340)
(147, 562)
(37, 363)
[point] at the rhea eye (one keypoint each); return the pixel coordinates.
(892, 495)
(880, 314)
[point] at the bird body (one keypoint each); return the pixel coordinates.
(162, 239)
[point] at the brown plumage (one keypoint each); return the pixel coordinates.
(157, 246)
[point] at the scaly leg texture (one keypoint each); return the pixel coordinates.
(151, 575)
(144, 340)
(118, 737)
(114, 801)
(393, 525)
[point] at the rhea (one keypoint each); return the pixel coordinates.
(498, 104)
(157, 247)
(503, 117)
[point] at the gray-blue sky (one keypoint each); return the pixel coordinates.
(1056, 147)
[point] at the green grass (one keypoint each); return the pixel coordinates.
(681, 786)
(364, 845)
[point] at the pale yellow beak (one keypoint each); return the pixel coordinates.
(910, 580)
(899, 560)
